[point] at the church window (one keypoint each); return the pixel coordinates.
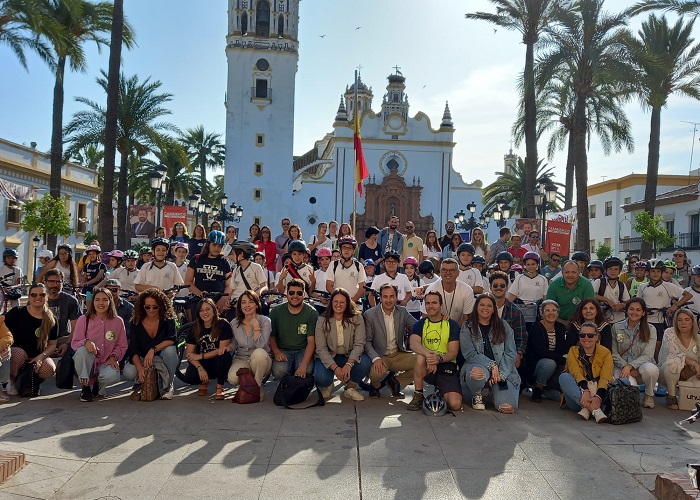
(262, 64)
(244, 23)
(262, 19)
(280, 26)
(261, 88)
(393, 164)
(257, 194)
(258, 169)
(257, 220)
(13, 212)
(260, 140)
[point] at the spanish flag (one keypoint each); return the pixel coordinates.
(360, 165)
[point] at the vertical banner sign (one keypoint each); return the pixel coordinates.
(141, 226)
(173, 215)
(558, 237)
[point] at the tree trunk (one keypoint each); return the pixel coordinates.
(569, 182)
(122, 188)
(56, 140)
(652, 173)
(530, 131)
(106, 231)
(203, 180)
(583, 239)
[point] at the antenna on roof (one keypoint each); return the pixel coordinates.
(692, 148)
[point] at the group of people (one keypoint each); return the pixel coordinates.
(491, 322)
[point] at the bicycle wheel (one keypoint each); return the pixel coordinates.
(181, 344)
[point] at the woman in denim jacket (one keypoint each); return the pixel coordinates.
(489, 364)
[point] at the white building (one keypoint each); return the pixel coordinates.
(24, 174)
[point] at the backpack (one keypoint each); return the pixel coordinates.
(294, 390)
(248, 388)
(337, 262)
(149, 388)
(623, 403)
(604, 285)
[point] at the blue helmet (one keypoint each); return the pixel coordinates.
(217, 237)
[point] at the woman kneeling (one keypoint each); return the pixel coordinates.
(679, 357)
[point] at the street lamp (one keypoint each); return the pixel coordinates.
(159, 186)
(502, 212)
(195, 198)
(484, 220)
(233, 215)
(545, 193)
(469, 224)
(35, 244)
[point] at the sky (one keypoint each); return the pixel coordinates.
(443, 56)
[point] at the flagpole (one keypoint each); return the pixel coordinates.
(356, 116)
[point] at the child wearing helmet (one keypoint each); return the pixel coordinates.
(210, 271)
(529, 289)
(247, 275)
(393, 277)
(10, 274)
(410, 267)
(297, 268)
(610, 291)
(347, 272)
(467, 274)
(93, 271)
(669, 273)
(126, 274)
(159, 273)
(640, 276)
(691, 294)
(595, 270)
(323, 258)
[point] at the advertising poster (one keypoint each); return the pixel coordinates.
(173, 215)
(140, 221)
(523, 227)
(558, 237)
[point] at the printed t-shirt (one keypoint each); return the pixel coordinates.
(292, 330)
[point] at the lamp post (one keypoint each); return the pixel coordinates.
(195, 199)
(469, 224)
(545, 193)
(159, 186)
(233, 215)
(502, 212)
(35, 244)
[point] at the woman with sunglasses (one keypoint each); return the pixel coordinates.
(153, 337)
(478, 241)
(267, 246)
(35, 331)
(63, 261)
(231, 237)
(629, 271)
(633, 346)
(179, 233)
(207, 349)
(589, 368)
(682, 273)
(589, 310)
(99, 342)
(450, 252)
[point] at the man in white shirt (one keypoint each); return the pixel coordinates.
(457, 297)
(347, 272)
(534, 244)
(158, 273)
(393, 277)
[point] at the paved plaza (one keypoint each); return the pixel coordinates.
(192, 447)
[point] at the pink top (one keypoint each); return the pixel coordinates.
(109, 336)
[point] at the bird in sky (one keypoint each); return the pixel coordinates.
(359, 27)
(322, 36)
(425, 85)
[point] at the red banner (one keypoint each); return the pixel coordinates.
(173, 215)
(558, 237)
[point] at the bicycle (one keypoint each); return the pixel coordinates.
(76, 291)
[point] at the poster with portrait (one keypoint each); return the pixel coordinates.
(140, 223)
(523, 228)
(173, 215)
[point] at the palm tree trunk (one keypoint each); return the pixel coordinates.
(530, 131)
(581, 170)
(122, 188)
(569, 182)
(203, 173)
(106, 231)
(57, 139)
(652, 173)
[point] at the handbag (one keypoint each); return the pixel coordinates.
(65, 371)
(294, 390)
(149, 388)
(623, 403)
(248, 388)
(27, 381)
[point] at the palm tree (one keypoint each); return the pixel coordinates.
(668, 63)
(22, 22)
(529, 18)
(512, 187)
(140, 105)
(592, 46)
(681, 7)
(205, 150)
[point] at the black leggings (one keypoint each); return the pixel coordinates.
(216, 368)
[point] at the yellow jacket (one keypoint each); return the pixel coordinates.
(601, 364)
(6, 339)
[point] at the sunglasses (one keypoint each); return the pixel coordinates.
(149, 308)
(557, 261)
(34, 295)
(285, 223)
(678, 255)
(115, 290)
(587, 335)
(498, 286)
(534, 237)
(292, 293)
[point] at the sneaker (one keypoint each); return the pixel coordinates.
(11, 389)
(648, 401)
(373, 392)
(326, 391)
(97, 391)
(416, 403)
(672, 402)
(351, 393)
(585, 413)
(478, 402)
(169, 394)
(599, 416)
(536, 395)
(86, 394)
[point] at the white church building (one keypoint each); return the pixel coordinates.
(409, 158)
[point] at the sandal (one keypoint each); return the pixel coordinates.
(219, 396)
(202, 391)
(4, 398)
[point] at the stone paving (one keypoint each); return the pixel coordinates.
(193, 447)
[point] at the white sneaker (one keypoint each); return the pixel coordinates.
(599, 416)
(169, 394)
(326, 392)
(478, 402)
(585, 413)
(351, 393)
(648, 401)
(11, 389)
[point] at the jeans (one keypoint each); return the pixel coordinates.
(472, 385)
(170, 360)
(571, 390)
(544, 369)
(282, 368)
(84, 362)
(324, 376)
(5, 369)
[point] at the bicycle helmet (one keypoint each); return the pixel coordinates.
(347, 240)
(9, 252)
(670, 264)
(410, 261)
(478, 259)
(324, 252)
(217, 237)
(655, 264)
(392, 254)
(640, 264)
(259, 254)
(531, 255)
(595, 263)
(131, 254)
(613, 261)
(695, 271)
(297, 246)
(181, 244)
(93, 248)
(426, 267)
(517, 268)
(245, 247)
(582, 256)
(65, 247)
(466, 247)
(434, 405)
(369, 262)
(145, 249)
(117, 254)
(504, 256)
(160, 241)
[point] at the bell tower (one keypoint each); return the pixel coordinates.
(262, 51)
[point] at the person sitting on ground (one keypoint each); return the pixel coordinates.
(679, 358)
(435, 340)
(207, 349)
(292, 340)
(99, 342)
(340, 347)
(488, 347)
(386, 326)
(124, 308)
(457, 297)
(64, 307)
(589, 368)
(633, 345)
(250, 344)
(34, 330)
(546, 353)
(153, 338)
(511, 313)
(591, 311)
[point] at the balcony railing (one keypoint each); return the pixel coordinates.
(630, 244)
(688, 241)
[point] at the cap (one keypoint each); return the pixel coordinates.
(48, 254)
(113, 282)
